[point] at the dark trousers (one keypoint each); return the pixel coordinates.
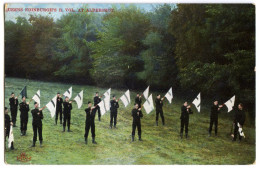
(58, 112)
(37, 128)
(99, 113)
(113, 117)
(14, 114)
(215, 122)
(66, 119)
(185, 123)
(88, 125)
(24, 122)
(237, 133)
(161, 114)
(138, 125)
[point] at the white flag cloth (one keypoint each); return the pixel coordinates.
(37, 97)
(230, 103)
(169, 95)
(104, 105)
(68, 93)
(52, 106)
(146, 92)
(196, 102)
(240, 130)
(126, 98)
(79, 99)
(107, 93)
(148, 104)
(11, 137)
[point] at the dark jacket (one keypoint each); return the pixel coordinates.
(159, 104)
(185, 112)
(136, 118)
(13, 103)
(24, 109)
(240, 117)
(214, 112)
(114, 106)
(90, 114)
(37, 118)
(138, 101)
(59, 103)
(96, 100)
(67, 107)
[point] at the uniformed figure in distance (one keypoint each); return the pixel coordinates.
(137, 115)
(58, 108)
(185, 112)
(97, 100)
(13, 102)
(159, 110)
(240, 118)
(37, 123)
(138, 99)
(113, 111)
(8, 122)
(214, 117)
(90, 122)
(67, 106)
(24, 109)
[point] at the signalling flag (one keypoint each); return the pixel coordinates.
(126, 98)
(52, 106)
(107, 93)
(79, 99)
(104, 105)
(24, 92)
(230, 103)
(240, 130)
(11, 137)
(146, 92)
(148, 104)
(196, 102)
(37, 97)
(169, 95)
(68, 93)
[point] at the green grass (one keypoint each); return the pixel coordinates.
(161, 145)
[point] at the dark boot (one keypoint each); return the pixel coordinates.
(140, 139)
(55, 121)
(33, 145)
(181, 135)
(186, 135)
(99, 119)
(133, 138)
(86, 140)
(93, 140)
(69, 129)
(110, 126)
(24, 133)
(40, 143)
(114, 126)
(156, 123)
(63, 128)
(12, 146)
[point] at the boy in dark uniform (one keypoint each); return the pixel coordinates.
(58, 108)
(214, 117)
(97, 100)
(37, 123)
(113, 111)
(185, 112)
(67, 106)
(138, 100)
(13, 102)
(90, 122)
(159, 110)
(240, 118)
(137, 115)
(24, 109)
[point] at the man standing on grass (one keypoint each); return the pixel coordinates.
(113, 111)
(37, 123)
(24, 109)
(90, 122)
(138, 100)
(159, 110)
(97, 100)
(239, 120)
(137, 115)
(8, 122)
(185, 112)
(13, 102)
(214, 117)
(58, 108)
(67, 106)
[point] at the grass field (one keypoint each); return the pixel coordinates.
(160, 145)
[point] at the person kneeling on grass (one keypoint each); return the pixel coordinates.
(90, 122)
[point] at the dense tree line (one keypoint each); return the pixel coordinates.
(206, 47)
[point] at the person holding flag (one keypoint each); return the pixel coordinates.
(138, 100)
(239, 120)
(90, 122)
(37, 123)
(58, 108)
(24, 109)
(13, 102)
(8, 123)
(97, 99)
(159, 110)
(67, 106)
(137, 115)
(185, 112)
(214, 117)
(113, 111)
